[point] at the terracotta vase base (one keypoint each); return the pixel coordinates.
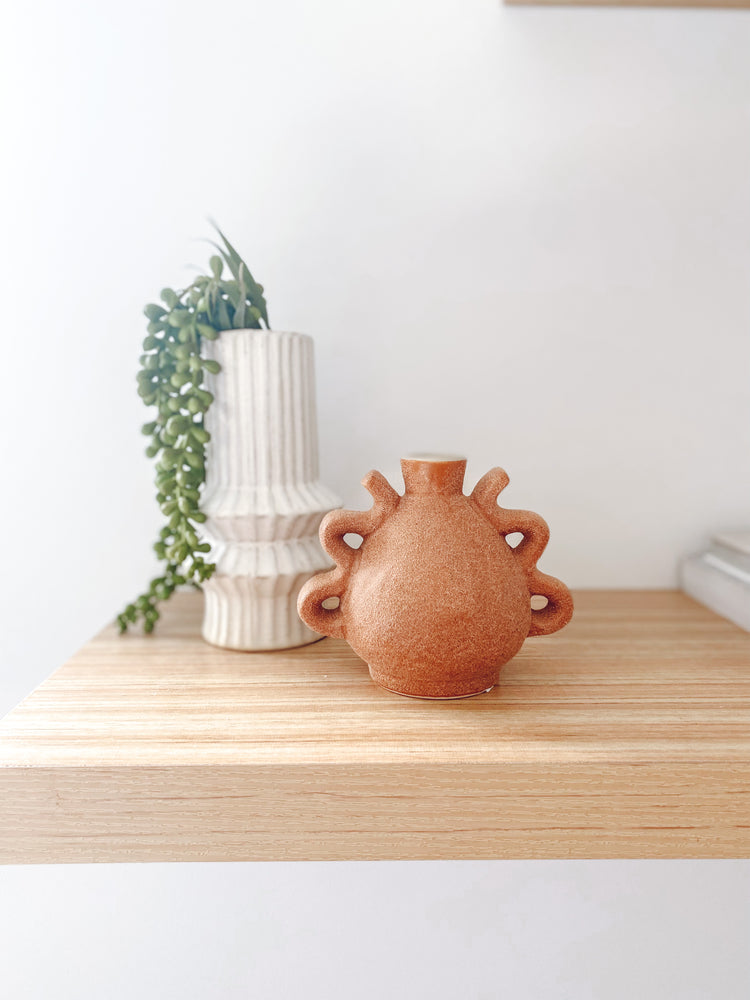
(389, 685)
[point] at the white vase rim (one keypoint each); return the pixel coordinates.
(266, 333)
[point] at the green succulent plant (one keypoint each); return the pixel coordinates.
(171, 380)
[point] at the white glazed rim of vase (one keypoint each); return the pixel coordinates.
(431, 456)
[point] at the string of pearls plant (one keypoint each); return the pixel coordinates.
(171, 379)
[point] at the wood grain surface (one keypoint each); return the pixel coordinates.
(625, 735)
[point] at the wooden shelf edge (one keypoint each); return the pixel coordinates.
(381, 812)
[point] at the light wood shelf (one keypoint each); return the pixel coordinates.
(625, 735)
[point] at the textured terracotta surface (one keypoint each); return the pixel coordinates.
(435, 600)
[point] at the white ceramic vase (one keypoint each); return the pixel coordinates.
(262, 498)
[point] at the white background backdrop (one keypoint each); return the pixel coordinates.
(519, 234)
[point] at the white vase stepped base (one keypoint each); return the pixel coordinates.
(255, 613)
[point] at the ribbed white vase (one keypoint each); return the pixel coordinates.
(263, 499)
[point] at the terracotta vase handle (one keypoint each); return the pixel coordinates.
(535, 531)
(311, 609)
(559, 609)
(334, 526)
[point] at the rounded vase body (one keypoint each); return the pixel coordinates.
(435, 600)
(263, 498)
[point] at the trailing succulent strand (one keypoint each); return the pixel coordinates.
(171, 379)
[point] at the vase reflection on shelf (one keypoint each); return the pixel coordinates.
(435, 600)
(263, 497)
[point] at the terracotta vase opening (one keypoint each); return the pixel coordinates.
(433, 474)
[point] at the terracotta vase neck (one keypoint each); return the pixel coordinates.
(433, 474)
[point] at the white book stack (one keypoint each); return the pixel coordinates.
(720, 577)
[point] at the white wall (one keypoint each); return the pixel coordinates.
(547, 930)
(520, 234)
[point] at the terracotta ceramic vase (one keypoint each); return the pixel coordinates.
(434, 600)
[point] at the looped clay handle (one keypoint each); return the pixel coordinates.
(559, 609)
(334, 526)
